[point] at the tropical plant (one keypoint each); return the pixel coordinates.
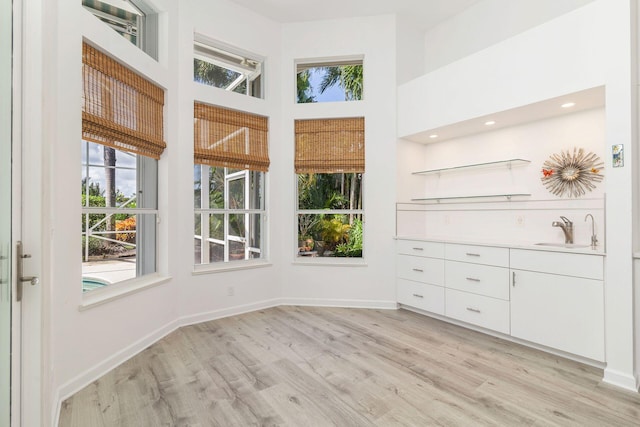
(348, 77)
(334, 230)
(213, 75)
(304, 89)
(353, 246)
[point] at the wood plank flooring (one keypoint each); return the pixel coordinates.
(301, 366)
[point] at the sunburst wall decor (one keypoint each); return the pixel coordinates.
(571, 174)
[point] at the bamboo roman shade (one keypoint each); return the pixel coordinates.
(230, 138)
(120, 108)
(329, 145)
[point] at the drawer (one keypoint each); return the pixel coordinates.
(478, 310)
(419, 269)
(421, 248)
(421, 295)
(477, 254)
(567, 264)
(478, 279)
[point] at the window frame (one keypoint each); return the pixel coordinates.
(146, 189)
(205, 210)
(231, 58)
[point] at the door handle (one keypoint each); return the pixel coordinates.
(20, 256)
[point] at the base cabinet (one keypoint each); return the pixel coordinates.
(562, 312)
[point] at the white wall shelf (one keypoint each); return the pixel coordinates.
(508, 163)
(478, 196)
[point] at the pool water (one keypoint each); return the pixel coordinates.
(89, 284)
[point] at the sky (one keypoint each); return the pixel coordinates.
(125, 179)
(334, 93)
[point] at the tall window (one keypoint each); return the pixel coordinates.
(132, 19)
(329, 81)
(122, 138)
(227, 68)
(231, 158)
(329, 163)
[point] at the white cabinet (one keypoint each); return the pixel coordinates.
(420, 275)
(562, 311)
(549, 298)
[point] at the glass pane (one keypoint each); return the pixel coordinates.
(216, 252)
(197, 186)
(236, 225)
(236, 251)
(111, 179)
(236, 194)
(330, 191)
(109, 248)
(216, 227)
(256, 190)
(120, 15)
(330, 83)
(254, 235)
(197, 238)
(227, 70)
(321, 235)
(216, 187)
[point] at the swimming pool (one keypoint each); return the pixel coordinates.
(91, 283)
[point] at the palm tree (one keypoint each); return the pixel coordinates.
(110, 183)
(348, 77)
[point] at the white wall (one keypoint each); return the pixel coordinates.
(523, 220)
(486, 23)
(375, 39)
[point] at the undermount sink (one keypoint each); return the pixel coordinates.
(562, 245)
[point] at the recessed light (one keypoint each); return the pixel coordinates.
(568, 104)
(490, 123)
(433, 136)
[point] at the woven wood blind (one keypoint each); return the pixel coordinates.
(329, 145)
(230, 138)
(120, 108)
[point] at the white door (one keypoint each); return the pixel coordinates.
(6, 296)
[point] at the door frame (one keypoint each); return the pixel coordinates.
(29, 374)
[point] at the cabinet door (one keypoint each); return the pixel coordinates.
(563, 312)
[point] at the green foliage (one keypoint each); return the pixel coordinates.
(334, 230)
(353, 246)
(305, 91)
(348, 77)
(213, 75)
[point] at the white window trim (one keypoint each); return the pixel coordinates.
(118, 290)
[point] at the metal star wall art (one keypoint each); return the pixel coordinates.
(572, 174)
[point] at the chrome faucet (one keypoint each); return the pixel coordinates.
(567, 228)
(594, 239)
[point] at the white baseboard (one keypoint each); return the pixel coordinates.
(227, 312)
(621, 379)
(345, 303)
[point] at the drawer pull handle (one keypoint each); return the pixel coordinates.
(472, 279)
(418, 296)
(418, 249)
(475, 310)
(418, 270)
(472, 254)
(513, 280)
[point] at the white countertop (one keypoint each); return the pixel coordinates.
(580, 249)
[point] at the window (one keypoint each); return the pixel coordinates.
(329, 163)
(329, 81)
(132, 19)
(227, 69)
(230, 161)
(122, 138)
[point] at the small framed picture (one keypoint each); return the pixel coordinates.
(617, 155)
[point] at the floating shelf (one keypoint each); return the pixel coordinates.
(483, 196)
(508, 163)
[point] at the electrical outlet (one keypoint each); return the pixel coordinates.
(231, 291)
(520, 220)
(447, 220)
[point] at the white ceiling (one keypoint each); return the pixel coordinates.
(425, 13)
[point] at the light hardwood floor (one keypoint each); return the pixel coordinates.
(303, 367)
